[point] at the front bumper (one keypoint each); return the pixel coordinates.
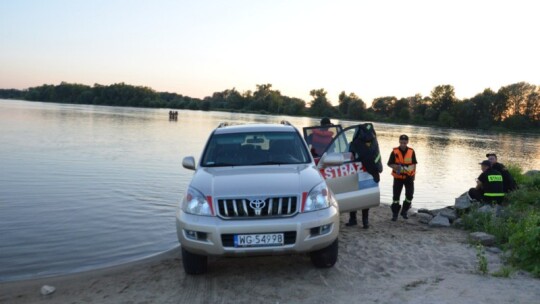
(213, 234)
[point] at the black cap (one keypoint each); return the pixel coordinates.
(403, 137)
(485, 163)
(491, 154)
(325, 121)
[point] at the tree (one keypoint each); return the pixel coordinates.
(400, 109)
(357, 109)
(383, 105)
(266, 99)
(465, 114)
(442, 99)
(446, 119)
(293, 106)
(489, 107)
(351, 106)
(417, 107)
(532, 108)
(320, 106)
(343, 103)
(517, 95)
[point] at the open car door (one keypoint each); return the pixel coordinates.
(351, 165)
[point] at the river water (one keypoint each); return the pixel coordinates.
(85, 187)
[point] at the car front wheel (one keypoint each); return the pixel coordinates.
(194, 263)
(326, 257)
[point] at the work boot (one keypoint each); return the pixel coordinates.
(395, 210)
(406, 206)
(365, 216)
(352, 219)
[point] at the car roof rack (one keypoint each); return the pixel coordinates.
(223, 124)
(285, 122)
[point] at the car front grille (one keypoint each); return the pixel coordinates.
(257, 208)
(289, 238)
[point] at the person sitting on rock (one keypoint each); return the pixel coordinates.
(489, 185)
(509, 184)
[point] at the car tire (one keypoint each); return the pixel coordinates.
(326, 257)
(194, 263)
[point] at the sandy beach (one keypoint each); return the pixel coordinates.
(392, 262)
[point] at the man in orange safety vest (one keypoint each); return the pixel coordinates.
(403, 163)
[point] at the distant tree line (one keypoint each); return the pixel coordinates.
(515, 106)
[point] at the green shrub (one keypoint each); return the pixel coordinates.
(500, 227)
(525, 244)
(518, 228)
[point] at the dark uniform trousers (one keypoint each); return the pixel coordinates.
(409, 188)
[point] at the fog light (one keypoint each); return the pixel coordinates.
(196, 235)
(324, 229)
(190, 234)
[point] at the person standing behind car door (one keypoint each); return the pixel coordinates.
(321, 138)
(361, 147)
(403, 163)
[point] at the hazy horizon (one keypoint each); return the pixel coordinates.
(372, 49)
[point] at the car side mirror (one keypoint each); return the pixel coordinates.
(334, 159)
(189, 162)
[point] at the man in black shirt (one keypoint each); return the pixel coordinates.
(489, 185)
(509, 184)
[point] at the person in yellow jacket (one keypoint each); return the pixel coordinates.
(403, 163)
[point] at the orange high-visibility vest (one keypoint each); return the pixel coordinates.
(405, 161)
(320, 140)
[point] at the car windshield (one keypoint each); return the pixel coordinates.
(255, 148)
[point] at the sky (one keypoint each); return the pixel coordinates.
(195, 48)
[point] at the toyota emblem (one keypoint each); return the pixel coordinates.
(257, 205)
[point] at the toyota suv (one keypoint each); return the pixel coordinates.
(256, 190)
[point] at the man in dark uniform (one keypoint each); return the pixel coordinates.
(489, 185)
(509, 184)
(361, 147)
(403, 163)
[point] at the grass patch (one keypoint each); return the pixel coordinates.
(504, 272)
(482, 260)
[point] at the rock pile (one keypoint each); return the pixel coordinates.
(450, 216)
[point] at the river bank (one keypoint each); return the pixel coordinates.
(392, 262)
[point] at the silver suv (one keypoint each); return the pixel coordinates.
(258, 191)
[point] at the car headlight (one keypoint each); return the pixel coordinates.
(195, 203)
(318, 198)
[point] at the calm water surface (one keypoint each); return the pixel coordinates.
(83, 187)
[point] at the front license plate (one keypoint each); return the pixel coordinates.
(258, 240)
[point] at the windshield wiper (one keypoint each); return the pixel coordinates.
(220, 165)
(271, 163)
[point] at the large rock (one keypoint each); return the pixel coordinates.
(482, 238)
(47, 290)
(439, 221)
(485, 209)
(532, 172)
(458, 223)
(424, 210)
(424, 218)
(463, 202)
(448, 213)
(495, 250)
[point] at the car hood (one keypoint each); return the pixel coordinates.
(240, 182)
